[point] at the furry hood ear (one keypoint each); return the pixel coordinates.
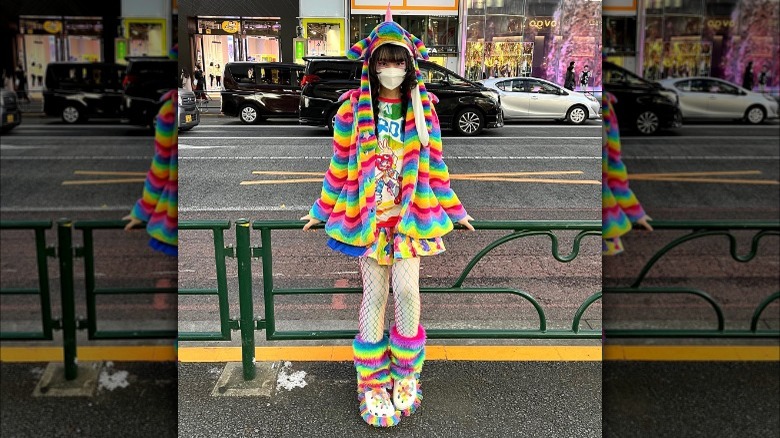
(390, 32)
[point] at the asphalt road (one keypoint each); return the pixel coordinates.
(92, 171)
(527, 171)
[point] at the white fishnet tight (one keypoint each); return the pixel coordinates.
(406, 297)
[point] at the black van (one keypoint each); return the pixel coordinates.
(77, 91)
(642, 106)
(464, 106)
(254, 91)
(148, 78)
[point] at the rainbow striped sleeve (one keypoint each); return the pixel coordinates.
(336, 175)
(439, 176)
(158, 205)
(617, 175)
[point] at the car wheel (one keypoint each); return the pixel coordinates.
(755, 115)
(577, 115)
(648, 123)
(469, 121)
(72, 114)
(331, 121)
(249, 114)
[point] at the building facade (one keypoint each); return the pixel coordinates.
(659, 39)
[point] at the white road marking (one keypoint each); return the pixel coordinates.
(246, 208)
(76, 157)
(742, 138)
(700, 157)
(26, 209)
(445, 141)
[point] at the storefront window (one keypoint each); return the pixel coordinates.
(620, 36)
(146, 39)
(324, 39)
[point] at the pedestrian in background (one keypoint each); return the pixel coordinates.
(218, 75)
(186, 80)
(619, 206)
(584, 78)
(747, 77)
(386, 200)
(211, 75)
(763, 78)
(20, 84)
(199, 82)
(568, 83)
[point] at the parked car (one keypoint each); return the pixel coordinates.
(641, 105)
(712, 98)
(9, 111)
(147, 80)
(464, 106)
(534, 98)
(254, 91)
(78, 91)
(189, 116)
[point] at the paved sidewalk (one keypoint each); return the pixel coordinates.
(461, 398)
(132, 399)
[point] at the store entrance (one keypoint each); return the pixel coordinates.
(214, 52)
(262, 49)
(39, 51)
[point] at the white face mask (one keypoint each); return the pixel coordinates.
(391, 78)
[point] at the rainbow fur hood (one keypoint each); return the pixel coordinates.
(347, 202)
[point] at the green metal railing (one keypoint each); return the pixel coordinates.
(248, 323)
(221, 252)
(700, 230)
(42, 251)
(69, 323)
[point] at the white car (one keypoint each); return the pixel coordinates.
(534, 98)
(713, 98)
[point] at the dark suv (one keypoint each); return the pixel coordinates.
(147, 80)
(641, 105)
(77, 91)
(257, 90)
(464, 106)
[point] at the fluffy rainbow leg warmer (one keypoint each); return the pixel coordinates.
(407, 356)
(372, 362)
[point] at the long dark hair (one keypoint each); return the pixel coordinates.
(391, 53)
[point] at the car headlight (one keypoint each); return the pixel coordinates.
(592, 98)
(770, 98)
(491, 94)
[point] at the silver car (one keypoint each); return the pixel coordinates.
(712, 98)
(534, 98)
(189, 115)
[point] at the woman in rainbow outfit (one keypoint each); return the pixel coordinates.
(386, 199)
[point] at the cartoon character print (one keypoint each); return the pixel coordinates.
(388, 177)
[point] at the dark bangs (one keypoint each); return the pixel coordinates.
(390, 53)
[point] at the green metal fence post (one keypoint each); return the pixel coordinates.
(244, 256)
(65, 253)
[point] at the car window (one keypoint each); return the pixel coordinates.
(622, 77)
(153, 68)
(296, 76)
(272, 75)
(334, 70)
(699, 86)
(721, 88)
(432, 75)
(520, 85)
(683, 85)
(504, 85)
(541, 87)
(454, 80)
(242, 73)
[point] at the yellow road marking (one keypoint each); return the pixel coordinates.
(98, 172)
(281, 181)
(672, 353)
(432, 352)
(730, 172)
(706, 180)
(153, 353)
(102, 181)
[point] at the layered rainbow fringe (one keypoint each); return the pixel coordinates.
(619, 206)
(159, 204)
(372, 362)
(407, 356)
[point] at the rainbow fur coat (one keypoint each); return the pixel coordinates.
(347, 203)
(619, 206)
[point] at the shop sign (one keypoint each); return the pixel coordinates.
(542, 23)
(300, 49)
(83, 27)
(262, 27)
(230, 26)
(52, 26)
(718, 24)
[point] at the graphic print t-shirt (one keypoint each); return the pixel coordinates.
(389, 159)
